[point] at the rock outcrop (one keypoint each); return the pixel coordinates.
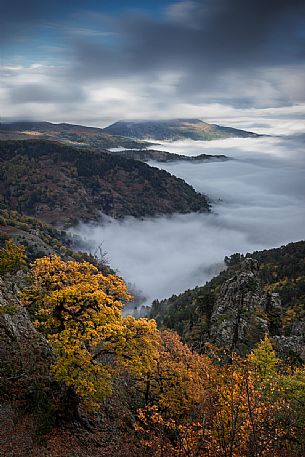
(234, 312)
(25, 354)
(238, 319)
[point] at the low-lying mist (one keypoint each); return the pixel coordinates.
(258, 202)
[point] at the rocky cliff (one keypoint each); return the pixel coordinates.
(234, 311)
(243, 312)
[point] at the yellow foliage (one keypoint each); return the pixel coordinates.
(200, 409)
(12, 257)
(264, 358)
(80, 312)
(180, 378)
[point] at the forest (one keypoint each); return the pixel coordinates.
(82, 364)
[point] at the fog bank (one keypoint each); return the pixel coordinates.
(258, 202)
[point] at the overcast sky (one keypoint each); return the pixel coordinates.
(98, 61)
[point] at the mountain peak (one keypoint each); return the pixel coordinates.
(174, 129)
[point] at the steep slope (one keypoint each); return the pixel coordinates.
(262, 292)
(70, 134)
(39, 415)
(175, 129)
(61, 184)
(40, 239)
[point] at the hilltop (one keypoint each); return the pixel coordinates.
(62, 185)
(70, 134)
(175, 129)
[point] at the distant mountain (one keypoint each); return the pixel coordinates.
(146, 155)
(61, 185)
(73, 135)
(175, 129)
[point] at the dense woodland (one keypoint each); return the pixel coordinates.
(146, 155)
(50, 181)
(280, 275)
(217, 371)
(78, 378)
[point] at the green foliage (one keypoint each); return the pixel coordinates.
(264, 359)
(294, 391)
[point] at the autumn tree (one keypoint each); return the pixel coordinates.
(80, 312)
(12, 257)
(173, 421)
(264, 359)
(293, 392)
(210, 407)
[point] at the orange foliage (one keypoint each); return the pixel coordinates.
(198, 408)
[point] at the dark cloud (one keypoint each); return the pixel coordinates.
(19, 17)
(239, 52)
(33, 93)
(215, 35)
(207, 46)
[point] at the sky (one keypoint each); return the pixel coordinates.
(98, 61)
(257, 203)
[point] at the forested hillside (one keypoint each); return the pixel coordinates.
(78, 378)
(262, 292)
(61, 185)
(146, 155)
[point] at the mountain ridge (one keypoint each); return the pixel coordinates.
(146, 155)
(175, 129)
(72, 134)
(62, 185)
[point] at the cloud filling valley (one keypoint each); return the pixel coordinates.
(257, 203)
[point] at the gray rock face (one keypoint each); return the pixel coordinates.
(24, 353)
(244, 313)
(239, 319)
(290, 346)
(25, 367)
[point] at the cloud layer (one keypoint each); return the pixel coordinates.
(262, 206)
(95, 62)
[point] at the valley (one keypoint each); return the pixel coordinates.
(77, 224)
(249, 195)
(152, 241)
